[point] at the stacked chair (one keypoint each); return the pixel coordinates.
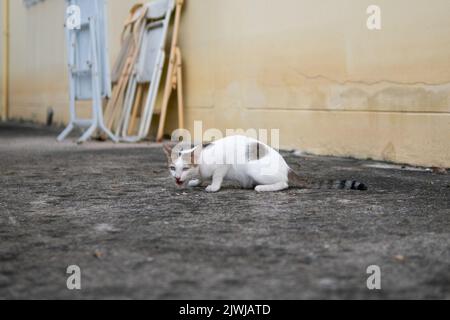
(130, 91)
(138, 70)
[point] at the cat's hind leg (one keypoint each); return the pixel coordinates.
(280, 186)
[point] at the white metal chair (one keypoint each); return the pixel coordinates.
(88, 61)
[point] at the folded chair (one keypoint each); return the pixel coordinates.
(89, 76)
(147, 73)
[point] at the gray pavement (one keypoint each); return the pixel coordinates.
(113, 211)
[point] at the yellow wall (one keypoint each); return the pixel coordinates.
(310, 68)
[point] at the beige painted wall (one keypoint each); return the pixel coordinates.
(310, 68)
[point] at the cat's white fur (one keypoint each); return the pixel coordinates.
(228, 159)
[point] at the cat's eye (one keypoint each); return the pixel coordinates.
(186, 169)
(172, 168)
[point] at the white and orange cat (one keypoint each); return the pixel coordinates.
(240, 159)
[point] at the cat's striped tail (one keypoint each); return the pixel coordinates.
(295, 181)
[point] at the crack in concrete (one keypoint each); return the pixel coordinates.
(369, 83)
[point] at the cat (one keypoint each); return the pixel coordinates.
(249, 162)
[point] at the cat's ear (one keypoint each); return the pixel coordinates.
(168, 148)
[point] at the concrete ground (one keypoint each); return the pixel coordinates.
(114, 212)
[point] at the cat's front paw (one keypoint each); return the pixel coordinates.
(212, 189)
(194, 183)
(260, 189)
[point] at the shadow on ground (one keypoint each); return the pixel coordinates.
(113, 211)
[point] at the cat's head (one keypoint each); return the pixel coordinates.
(181, 160)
